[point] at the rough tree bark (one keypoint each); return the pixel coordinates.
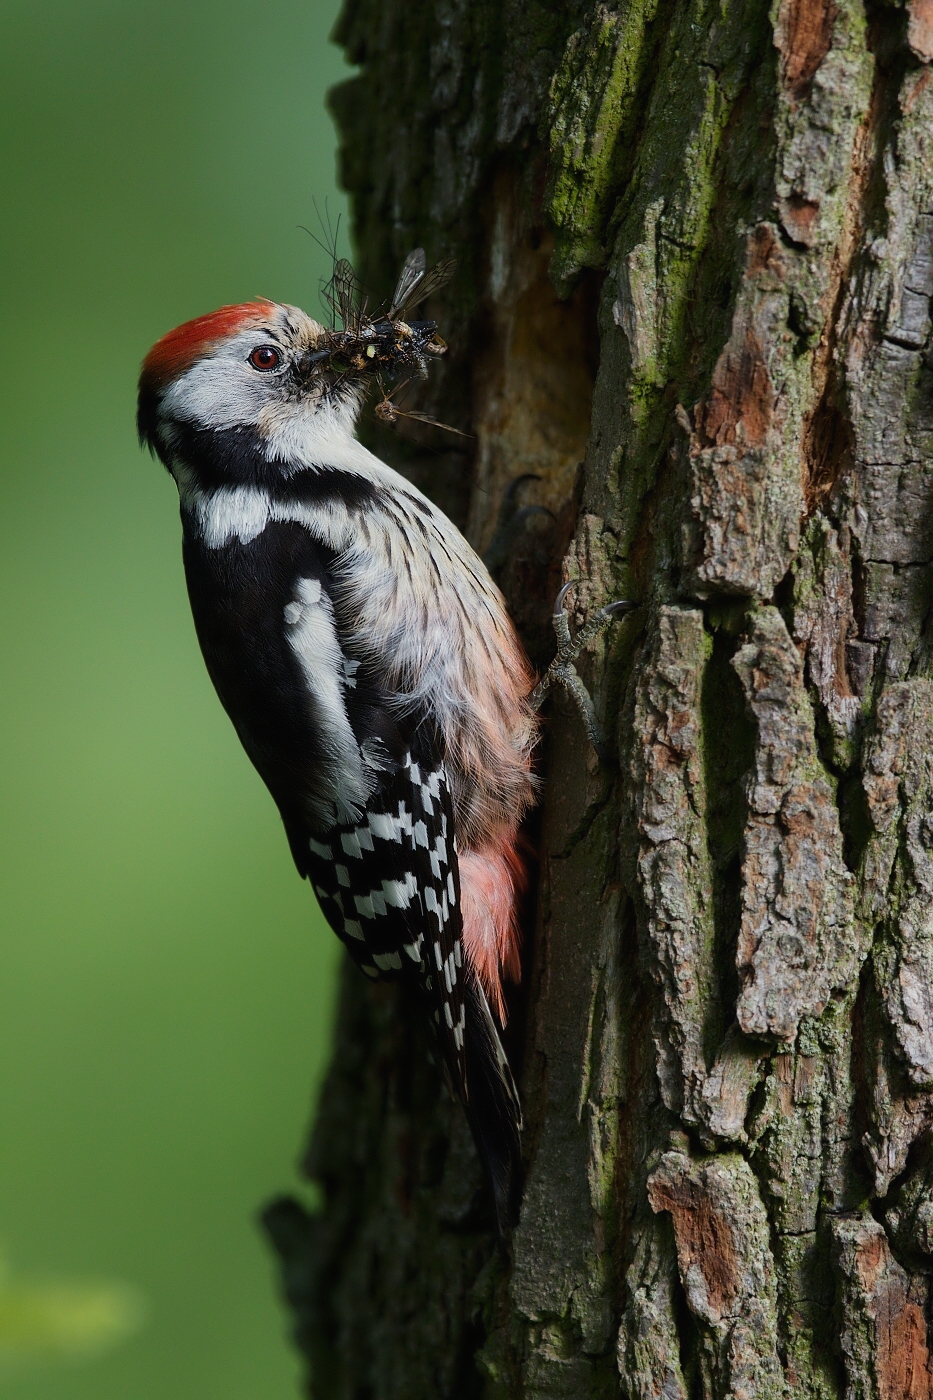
(695, 244)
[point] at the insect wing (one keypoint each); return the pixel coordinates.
(411, 274)
(428, 283)
(435, 423)
(346, 294)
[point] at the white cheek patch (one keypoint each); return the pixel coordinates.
(221, 390)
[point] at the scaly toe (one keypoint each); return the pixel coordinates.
(562, 671)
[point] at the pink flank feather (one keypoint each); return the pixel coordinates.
(492, 880)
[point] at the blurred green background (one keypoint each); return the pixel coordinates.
(166, 980)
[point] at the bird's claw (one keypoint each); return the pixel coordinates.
(562, 670)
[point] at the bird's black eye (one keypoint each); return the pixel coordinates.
(265, 357)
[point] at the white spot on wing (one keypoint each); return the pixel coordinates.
(385, 827)
(387, 961)
(414, 949)
(369, 905)
(398, 893)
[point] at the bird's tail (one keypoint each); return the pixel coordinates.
(492, 1106)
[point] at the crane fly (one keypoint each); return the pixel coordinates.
(389, 413)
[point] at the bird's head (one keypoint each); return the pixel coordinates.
(245, 390)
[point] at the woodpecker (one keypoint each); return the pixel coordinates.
(370, 669)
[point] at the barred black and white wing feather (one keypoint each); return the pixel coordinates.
(389, 886)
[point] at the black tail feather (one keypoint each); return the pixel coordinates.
(492, 1107)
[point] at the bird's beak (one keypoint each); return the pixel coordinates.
(308, 361)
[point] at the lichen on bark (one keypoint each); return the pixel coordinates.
(692, 311)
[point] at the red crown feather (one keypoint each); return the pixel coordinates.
(177, 351)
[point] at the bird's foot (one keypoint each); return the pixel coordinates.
(562, 670)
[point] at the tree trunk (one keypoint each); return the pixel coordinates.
(695, 244)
